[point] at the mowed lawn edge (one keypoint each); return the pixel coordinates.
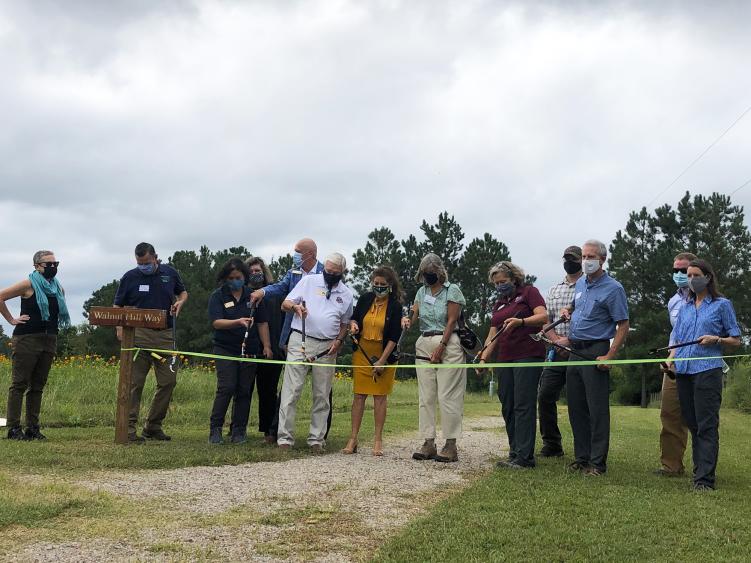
(549, 514)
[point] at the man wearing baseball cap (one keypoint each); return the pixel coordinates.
(553, 377)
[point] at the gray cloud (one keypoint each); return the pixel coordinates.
(543, 124)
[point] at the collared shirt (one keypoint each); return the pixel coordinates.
(150, 291)
(559, 296)
(678, 300)
(281, 289)
(598, 307)
(223, 305)
(325, 316)
(714, 317)
(434, 308)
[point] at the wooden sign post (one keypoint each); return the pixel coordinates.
(129, 318)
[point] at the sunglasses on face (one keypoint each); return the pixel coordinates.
(681, 270)
(44, 264)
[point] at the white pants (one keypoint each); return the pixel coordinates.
(294, 379)
(442, 386)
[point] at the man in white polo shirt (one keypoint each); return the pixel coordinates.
(327, 311)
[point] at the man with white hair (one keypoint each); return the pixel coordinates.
(600, 313)
(321, 306)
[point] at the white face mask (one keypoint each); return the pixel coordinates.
(590, 266)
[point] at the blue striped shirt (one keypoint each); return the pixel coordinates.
(714, 317)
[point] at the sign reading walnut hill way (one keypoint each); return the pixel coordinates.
(130, 319)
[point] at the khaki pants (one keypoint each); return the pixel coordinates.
(294, 379)
(165, 379)
(442, 387)
(674, 434)
(32, 360)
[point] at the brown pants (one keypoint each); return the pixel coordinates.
(165, 379)
(32, 360)
(674, 434)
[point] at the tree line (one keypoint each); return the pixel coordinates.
(640, 257)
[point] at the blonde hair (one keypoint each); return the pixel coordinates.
(509, 268)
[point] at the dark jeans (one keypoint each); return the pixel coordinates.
(267, 384)
(274, 429)
(700, 395)
(32, 359)
(552, 381)
(517, 391)
(588, 396)
(234, 380)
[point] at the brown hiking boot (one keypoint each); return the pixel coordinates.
(448, 453)
(427, 451)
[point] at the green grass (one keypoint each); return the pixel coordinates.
(548, 514)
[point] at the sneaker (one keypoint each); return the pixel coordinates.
(239, 438)
(701, 487)
(215, 436)
(515, 465)
(316, 449)
(134, 438)
(577, 467)
(594, 472)
(157, 435)
(16, 433)
(550, 452)
(285, 447)
(448, 454)
(33, 433)
(427, 451)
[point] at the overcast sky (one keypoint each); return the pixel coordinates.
(257, 123)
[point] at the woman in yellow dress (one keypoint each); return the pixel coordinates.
(376, 326)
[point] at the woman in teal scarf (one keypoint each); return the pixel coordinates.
(43, 311)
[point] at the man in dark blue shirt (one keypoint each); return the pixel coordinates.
(151, 285)
(600, 313)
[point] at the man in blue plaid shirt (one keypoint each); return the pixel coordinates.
(553, 377)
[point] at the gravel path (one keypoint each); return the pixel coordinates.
(324, 508)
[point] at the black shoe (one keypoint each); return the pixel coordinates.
(239, 438)
(16, 433)
(215, 436)
(33, 433)
(134, 438)
(513, 465)
(550, 452)
(157, 435)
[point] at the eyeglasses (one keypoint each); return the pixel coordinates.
(681, 270)
(55, 264)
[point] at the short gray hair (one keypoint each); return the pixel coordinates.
(432, 262)
(602, 250)
(39, 254)
(338, 259)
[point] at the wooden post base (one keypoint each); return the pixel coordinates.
(124, 385)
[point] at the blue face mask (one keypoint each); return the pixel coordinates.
(297, 260)
(235, 285)
(505, 289)
(147, 269)
(680, 279)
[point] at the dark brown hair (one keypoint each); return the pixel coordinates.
(391, 278)
(712, 287)
(230, 266)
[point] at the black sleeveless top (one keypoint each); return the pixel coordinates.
(35, 324)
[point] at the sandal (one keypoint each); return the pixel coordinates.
(378, 449)
(350, 448)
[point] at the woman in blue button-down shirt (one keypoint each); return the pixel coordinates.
(709, 318)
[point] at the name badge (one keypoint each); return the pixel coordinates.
(322, 292)
(430, 300)
(143, 288)
(229, 304)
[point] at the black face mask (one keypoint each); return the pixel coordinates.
(572, 266)
(430, 278)
(256, 280)
(50, 271)
(331, 279)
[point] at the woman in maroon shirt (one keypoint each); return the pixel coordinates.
(518, 312)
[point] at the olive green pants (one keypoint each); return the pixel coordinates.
(165, 379)
(32, 359)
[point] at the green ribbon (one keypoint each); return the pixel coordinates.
(426, 364)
